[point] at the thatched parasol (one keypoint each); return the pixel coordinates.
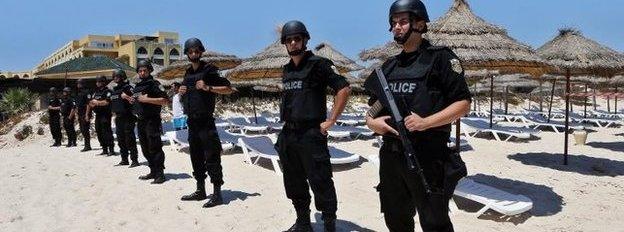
(266, 64)
(343, 63)
(178, 68)
(479, 44)
(573, 54)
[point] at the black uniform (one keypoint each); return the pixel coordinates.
(301, 145)
(199, 105)
(424, 82)
(103, 117)
(54, 120)
(67, 105)
(125, 122)
(149, 125)
(82, 100)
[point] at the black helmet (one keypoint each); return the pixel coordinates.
(80, 81)
(67, 89)
(53, 89)
(100, 79)
(293, 27)
(119, 73)
(145, 63)
(193, 43)
(415, 7)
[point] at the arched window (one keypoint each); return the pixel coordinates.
(174, 54)
(159, 56)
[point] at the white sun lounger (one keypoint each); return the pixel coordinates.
(599, 122)
(534, 122)
(228, 141)
(246, 127)
(493, 198)
(263, 147)
(480, 126)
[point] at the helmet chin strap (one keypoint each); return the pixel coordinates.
(298, 51)
(402, 39)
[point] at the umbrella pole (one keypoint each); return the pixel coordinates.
(506, 96)
(615, 106)
(541, 97)
(585, 105)
(567, 126)
(608, 104)
(594, 96)
(491, 99)
(552, 96)
(253, 102)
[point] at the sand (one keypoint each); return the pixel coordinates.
(62, 189)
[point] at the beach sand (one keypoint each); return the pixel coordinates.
(62, 189)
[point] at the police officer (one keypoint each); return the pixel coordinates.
(124, 119)
(82, 100)
(100, 104)
(428, 85)
(148, 98)
(302, 144)
(199, 88)
(68, 111)
(54, 116)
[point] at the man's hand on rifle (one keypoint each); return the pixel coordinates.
(379, 125)
(414, 122)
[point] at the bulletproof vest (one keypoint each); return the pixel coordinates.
(414, 85)
(54, 102)
(99, 95)
(303, 96)
(66, 106)
(197, 103)
(144, 110)
(82, 99)
(118, 104)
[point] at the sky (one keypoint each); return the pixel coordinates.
(31, 30)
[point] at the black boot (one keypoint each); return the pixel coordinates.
(57, 143)
(329, 222)
(150, 175)
(111, 151)
(159, 178)
(216, 198)
(87, 146)
(199, 194)
(123, 162)
(104, 151)
(135, 163)
(302, 223)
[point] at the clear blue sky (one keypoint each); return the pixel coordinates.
(31, 30)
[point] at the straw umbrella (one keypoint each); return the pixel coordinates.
(616, 82)
(342, 63)
(178, 68)
(574, 54)
(266, 64)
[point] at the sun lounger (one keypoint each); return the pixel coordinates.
(493, 198)
(263, 147)
(343, 132)
(501, 133)
(245, 127)
(599, 122)
(536, 122)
